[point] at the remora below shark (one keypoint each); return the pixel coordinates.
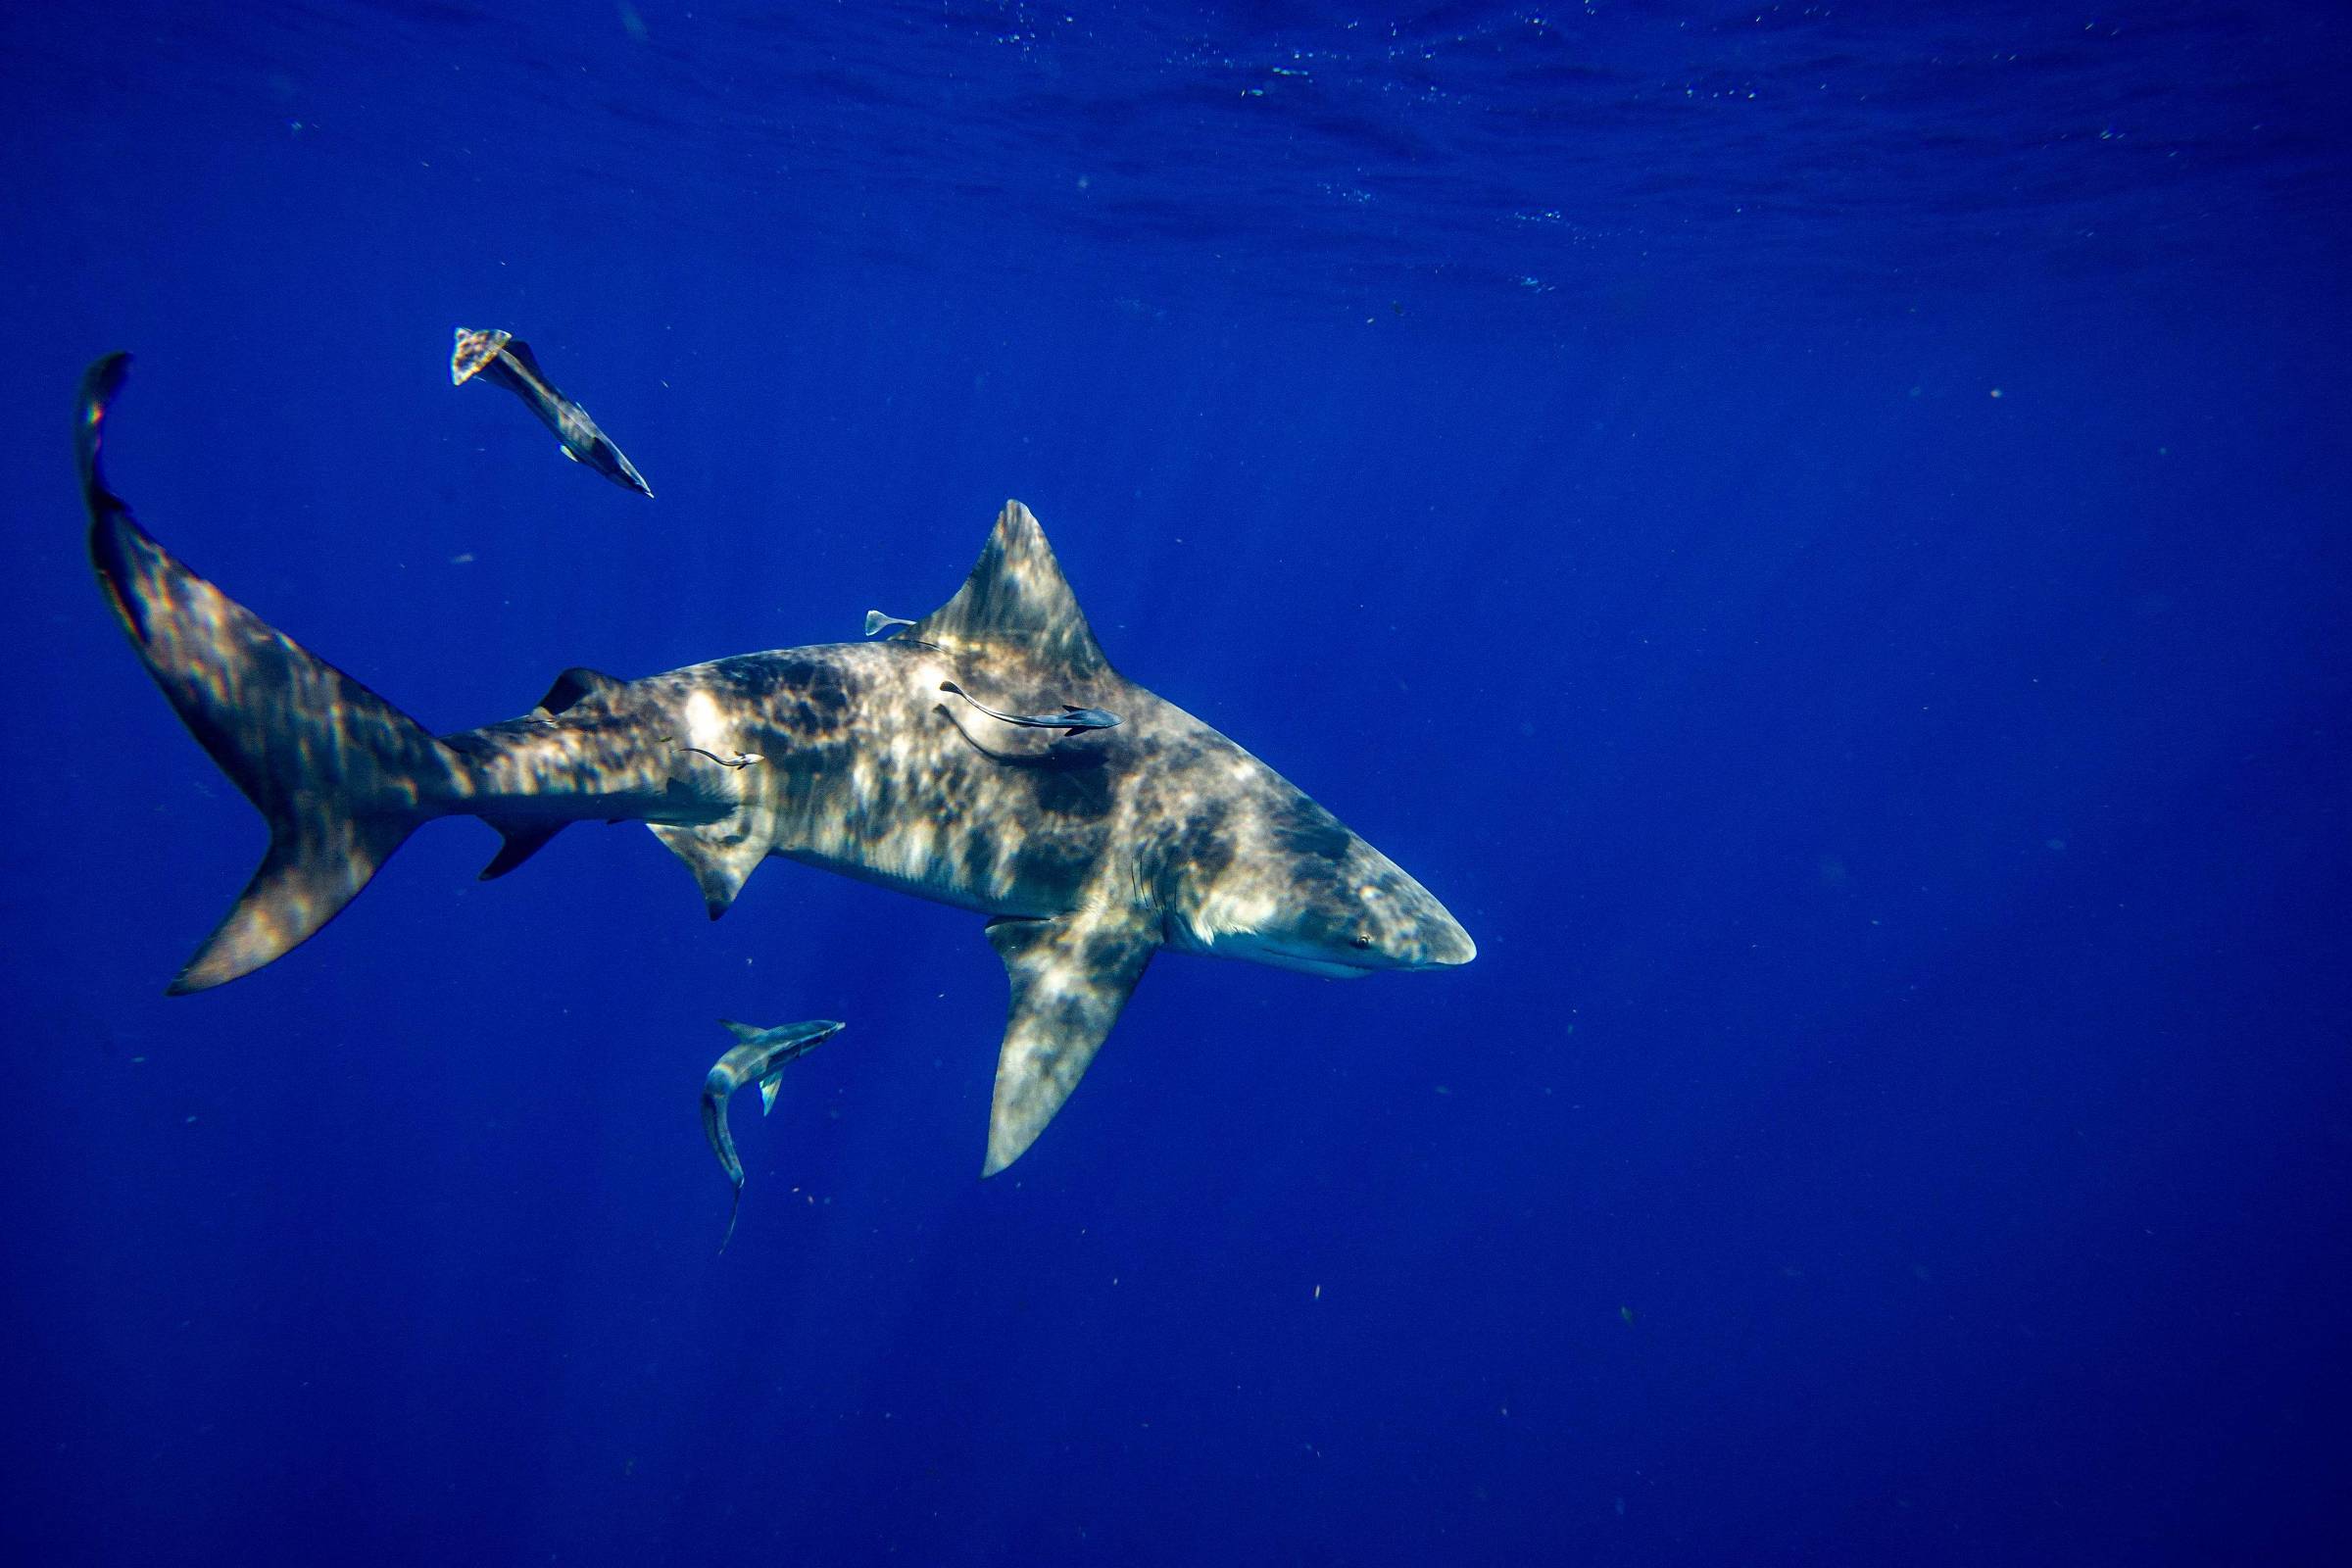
(1089, 851)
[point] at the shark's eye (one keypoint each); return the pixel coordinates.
(1361, 942)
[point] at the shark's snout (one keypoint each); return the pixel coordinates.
(1449, 944)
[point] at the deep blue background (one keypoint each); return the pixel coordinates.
(1823, 537)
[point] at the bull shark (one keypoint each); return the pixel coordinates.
(1088, 851)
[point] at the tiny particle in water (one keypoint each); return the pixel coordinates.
(1626, 1313)
(1997, 391)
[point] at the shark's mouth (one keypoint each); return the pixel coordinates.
(1307, 960)
(1328, 968)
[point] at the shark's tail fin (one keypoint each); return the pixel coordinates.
(341, 776)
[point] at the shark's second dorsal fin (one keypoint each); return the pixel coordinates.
(574, 685)
(1017, 597)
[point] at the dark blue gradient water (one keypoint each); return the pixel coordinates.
(1819, 532)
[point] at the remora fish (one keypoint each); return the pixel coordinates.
(758, 1054)
(1087, 859)
(1070, 721)
(505, 360)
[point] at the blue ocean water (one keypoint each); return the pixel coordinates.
(1819, 532)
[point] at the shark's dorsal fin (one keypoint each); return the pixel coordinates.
(744, 1033)
(1016, 598)
(1070, 977)
(575, 684)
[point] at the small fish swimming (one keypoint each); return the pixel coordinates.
(758, 1054)
(507, 360)
(1070, 721)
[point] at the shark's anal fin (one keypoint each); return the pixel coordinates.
(521, 843)
(1071, 975)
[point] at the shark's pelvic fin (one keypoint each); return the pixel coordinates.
(340, 775)
(720, 863)
(1017, 596)
(1070, 977)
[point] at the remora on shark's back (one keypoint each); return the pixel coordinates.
(507, 360)
(1089, 851)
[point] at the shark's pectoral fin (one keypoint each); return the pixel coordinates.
(1070, 977)
(721, 863)
(767, 1092)
(521, 843)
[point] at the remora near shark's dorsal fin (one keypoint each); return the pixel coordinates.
(521, 843)
(1070, 977)
(575, 685)
(1017, 596)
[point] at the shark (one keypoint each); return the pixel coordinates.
(1088, 851)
